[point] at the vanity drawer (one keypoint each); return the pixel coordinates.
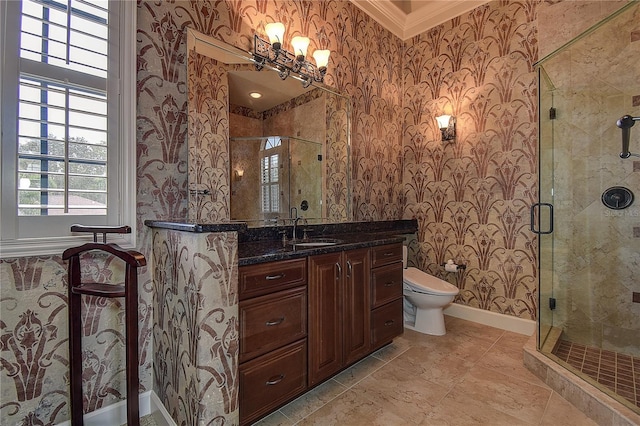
(383, 255)
(268, 322)
(386, 323)
(263, 278)
(271, 380)
(386, 284)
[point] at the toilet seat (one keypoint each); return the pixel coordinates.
(421, 282)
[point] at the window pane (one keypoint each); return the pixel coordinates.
(53, 137)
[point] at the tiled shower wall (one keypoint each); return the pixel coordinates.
(592, 84)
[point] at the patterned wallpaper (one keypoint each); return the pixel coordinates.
(471, 197)
(196, 326)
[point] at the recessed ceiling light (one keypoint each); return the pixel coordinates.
(255, 95)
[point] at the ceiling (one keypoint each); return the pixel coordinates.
(408, 18)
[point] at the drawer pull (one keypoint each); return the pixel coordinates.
(389, 284)
(274, 277)
(389, 253)
(274, 322)
(388, 323)
(275, 380)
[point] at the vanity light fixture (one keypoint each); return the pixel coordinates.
(270, 52)
(239, 173)
(447, 125)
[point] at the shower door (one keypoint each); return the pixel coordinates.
(590, 259)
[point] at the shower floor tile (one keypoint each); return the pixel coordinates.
(618, 372)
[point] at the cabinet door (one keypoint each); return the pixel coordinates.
(325, 316)
(356, 305)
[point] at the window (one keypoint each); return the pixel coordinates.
(68, 139)
(269, 172)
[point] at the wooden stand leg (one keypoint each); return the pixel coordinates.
(131, 312)
(75, 345)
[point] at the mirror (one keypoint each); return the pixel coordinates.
(287, 152)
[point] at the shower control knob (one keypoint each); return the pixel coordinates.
(617, 197)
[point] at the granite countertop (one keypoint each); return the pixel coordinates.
(260, 245)
(251, 253)
(197, 227)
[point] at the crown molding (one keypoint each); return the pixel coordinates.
(426, 17)
(384, 13)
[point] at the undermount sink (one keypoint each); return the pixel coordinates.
(317, 242)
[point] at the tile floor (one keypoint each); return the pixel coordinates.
(474, 375)
(618, 372)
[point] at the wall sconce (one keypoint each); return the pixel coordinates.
(238, 173)
(271, 52)
(447, 125)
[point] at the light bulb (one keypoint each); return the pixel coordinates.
(322, 58)
(300, 45)
(275, 32)
(443, 121)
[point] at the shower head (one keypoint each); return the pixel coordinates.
(625, 123)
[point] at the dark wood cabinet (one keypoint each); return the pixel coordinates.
(303, 320)
(355, 308)
(273, 336)
(339, 311)
(386, 294)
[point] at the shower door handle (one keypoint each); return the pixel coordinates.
(533, 218)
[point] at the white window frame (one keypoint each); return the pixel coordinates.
(121, 155)
(270, 150)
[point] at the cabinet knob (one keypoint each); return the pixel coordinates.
(275, 380)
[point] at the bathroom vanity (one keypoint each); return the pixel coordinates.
(303, 320)
(268, 320)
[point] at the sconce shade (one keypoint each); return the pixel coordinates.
(443, 121)
(447, 125)
(322, 58)
(275, 32)
(300, 45)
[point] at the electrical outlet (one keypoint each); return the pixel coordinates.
(635, 297)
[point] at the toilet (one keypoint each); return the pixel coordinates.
(425, 296)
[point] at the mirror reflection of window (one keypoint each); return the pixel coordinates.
(269, 167)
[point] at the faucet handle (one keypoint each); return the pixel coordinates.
(284, 236)
(304, 233)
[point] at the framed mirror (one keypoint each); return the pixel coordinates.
(262, 149)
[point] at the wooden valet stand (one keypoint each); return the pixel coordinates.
(128, 290)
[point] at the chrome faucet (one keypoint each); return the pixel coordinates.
(295, 224)
(294, 220)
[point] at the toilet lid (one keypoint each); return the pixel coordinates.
(422, 282)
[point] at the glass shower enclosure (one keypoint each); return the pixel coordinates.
(588, 219)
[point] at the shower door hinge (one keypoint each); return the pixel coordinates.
(552, 113)
(552, 303)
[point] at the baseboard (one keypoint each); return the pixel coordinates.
(116, 414)
(492, 319)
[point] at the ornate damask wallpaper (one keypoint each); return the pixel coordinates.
(471, 198)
